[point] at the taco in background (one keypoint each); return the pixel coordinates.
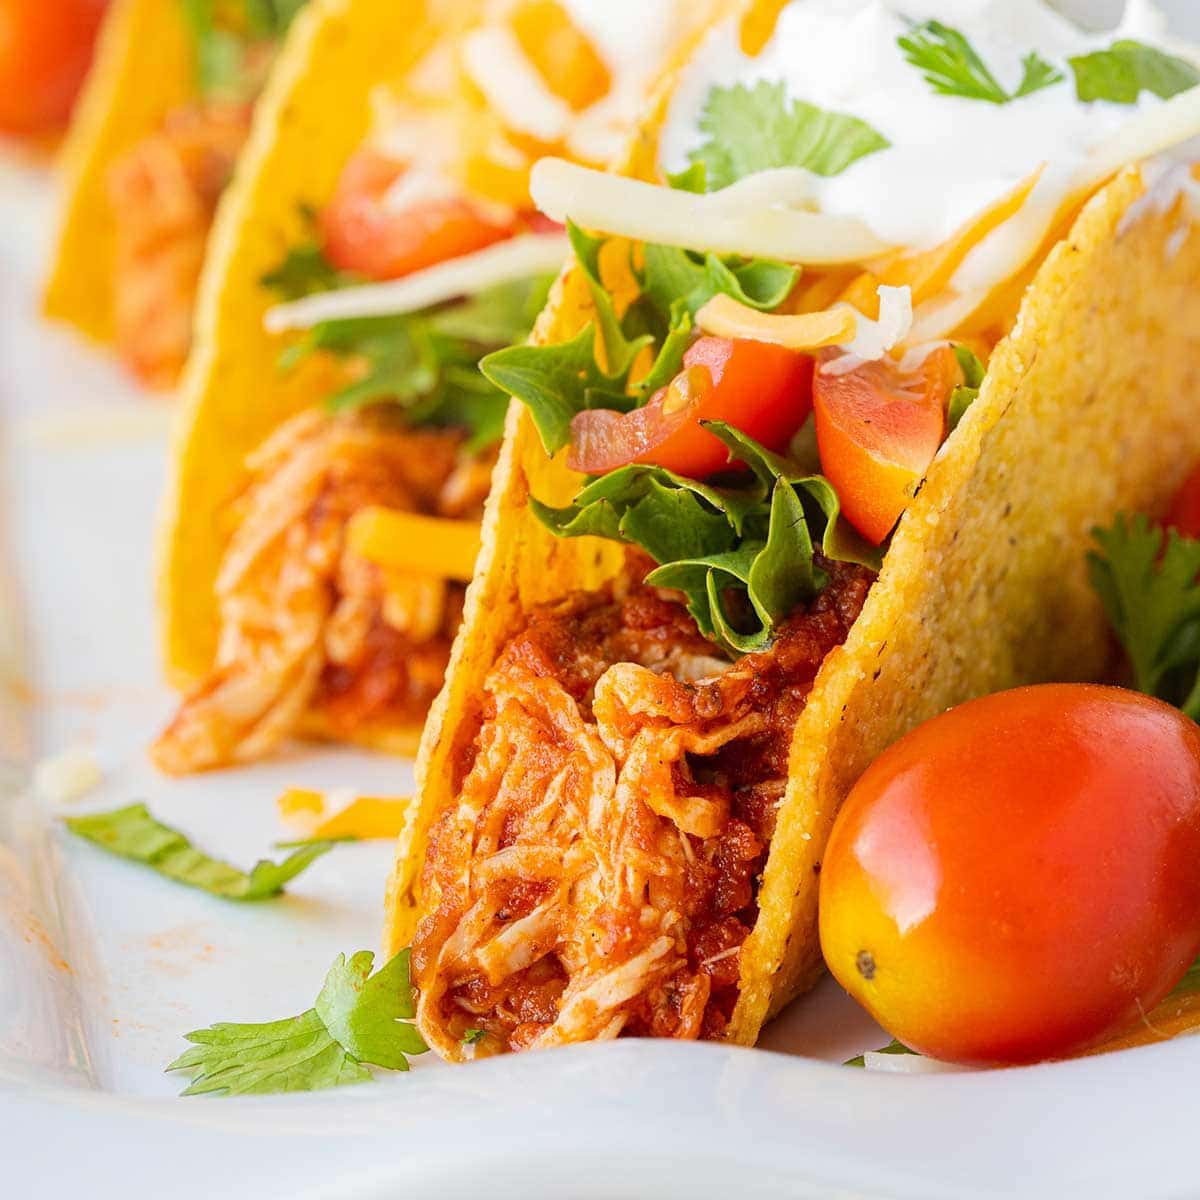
(812, 436)
(330, 474)
(162, 121)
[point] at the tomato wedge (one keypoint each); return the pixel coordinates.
(45, 50)
(1184, 513)
(763, 390)
(877, 433)
(363, 233)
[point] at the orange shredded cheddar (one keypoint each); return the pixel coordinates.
(407, 541)
(561, 53)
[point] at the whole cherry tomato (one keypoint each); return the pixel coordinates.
(877, 433)
(1019, 877)
(763, 390)
(45, 51)
(1184, 513)
(365, 232)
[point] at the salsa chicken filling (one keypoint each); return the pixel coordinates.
(598, 874)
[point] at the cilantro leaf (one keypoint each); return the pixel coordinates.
(893, 1047)
(953, 67)
(357, 1019)
(1147, 582)
(967, 392)
(133, 833)
(1128, 68)
(758, 128)
(473, 1037)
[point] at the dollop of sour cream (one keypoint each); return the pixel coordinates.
(950, 158)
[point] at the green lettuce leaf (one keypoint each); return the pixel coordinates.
(743, 555)
(358, 1018)
(967, 392)
(1126, 69)
(133, 833)
(752, 129)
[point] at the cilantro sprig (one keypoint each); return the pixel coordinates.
(1147, 581)
(758, 128)
(358, 1018)
(132, 833)
(953, 67)
(1128, 68)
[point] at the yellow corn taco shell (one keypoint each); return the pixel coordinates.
(143, 69)
(1084, 413)
(314, 114)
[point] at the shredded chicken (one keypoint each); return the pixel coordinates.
(305, 623)
(595, 875)
(163, 195)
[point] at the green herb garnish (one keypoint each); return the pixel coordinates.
(358, 1018)
(1126, 69)
(473, 1037)
(952, 66)
(133, 833)
(757, 128)
(1147, 581)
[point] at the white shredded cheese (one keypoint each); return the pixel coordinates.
(498, 66)
(68, 776)
(873, 339)
(504, 262)
(742, 221)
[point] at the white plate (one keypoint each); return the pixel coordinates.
(103, 966)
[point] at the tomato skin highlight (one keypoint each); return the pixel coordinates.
(361, 233)
(45, 51)
(877, 433)
(1017, 878)
(763, 390)
(1184, 514)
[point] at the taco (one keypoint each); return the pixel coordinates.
(809, 442)
(329, 478)
(162, 121)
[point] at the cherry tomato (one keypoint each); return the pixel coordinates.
(45, 52)
(1017, 878)
(363, 233)
(763, 390)
(1184, 513)
(877, 433)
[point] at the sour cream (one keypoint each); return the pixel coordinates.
(950, 157)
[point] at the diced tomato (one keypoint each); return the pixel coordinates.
(763, 390)
(363, 233)
(1184, 513)
(45, 51)
(877, 433)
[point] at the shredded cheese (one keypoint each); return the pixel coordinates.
(742, 222)
(724, 316)
(504, 262)
(67, 776)
(497, 64)
(873, 339)
(363, 817)
(406, 541)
